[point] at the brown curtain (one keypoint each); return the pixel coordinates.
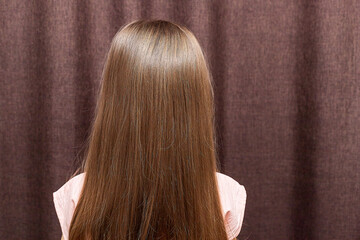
(287, 99)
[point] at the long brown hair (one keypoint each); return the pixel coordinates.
(151, 158)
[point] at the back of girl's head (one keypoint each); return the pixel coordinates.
(151, 159)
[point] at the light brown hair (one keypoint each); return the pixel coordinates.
(151, 158)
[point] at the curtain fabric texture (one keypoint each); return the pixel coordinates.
(287, 106)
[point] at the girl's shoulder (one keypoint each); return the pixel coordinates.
(233, 200)
(65, 200)
(71, 189)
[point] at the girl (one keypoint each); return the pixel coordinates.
(151, 170)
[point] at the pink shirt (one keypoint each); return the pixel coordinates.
(232, 196)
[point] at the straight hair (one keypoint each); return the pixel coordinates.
(151, 161)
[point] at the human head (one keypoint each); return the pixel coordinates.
(151, 161)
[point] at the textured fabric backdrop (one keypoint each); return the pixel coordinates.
(287, 99)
